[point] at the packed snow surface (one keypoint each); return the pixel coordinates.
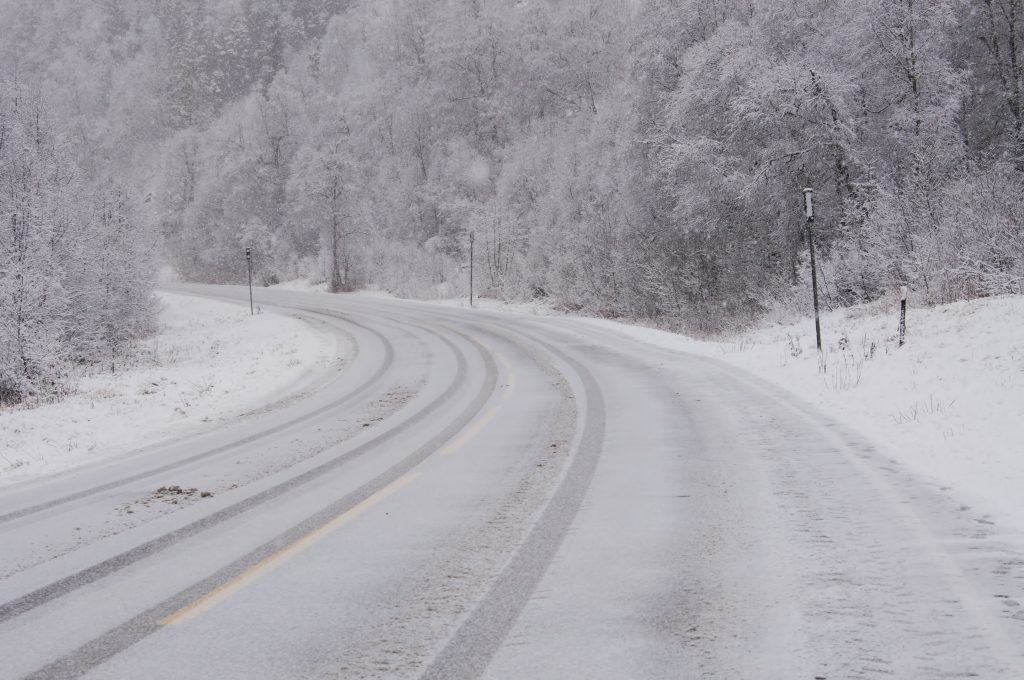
(210, 363)
(948, 405)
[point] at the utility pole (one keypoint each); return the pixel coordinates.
(809, 212)
(248, 262)
(471, 237)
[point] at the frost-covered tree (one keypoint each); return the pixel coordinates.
(76, 272)
(624, 157)
(38, 188)
(113, 274)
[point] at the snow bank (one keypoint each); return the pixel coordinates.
(533, 308)
(948, 405)
(212, 361)
(301, 285)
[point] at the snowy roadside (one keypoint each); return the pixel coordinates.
(211, 362)
(948, 405)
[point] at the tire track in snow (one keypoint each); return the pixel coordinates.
(353, 395)
(109, 566)
(468, 652)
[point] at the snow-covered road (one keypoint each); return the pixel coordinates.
(502, 496)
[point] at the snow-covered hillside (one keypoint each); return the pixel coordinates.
(211, 361)
(948, 405)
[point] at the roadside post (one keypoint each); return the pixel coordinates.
(471, 238)
(903, 315)
(809, 212)
(248, 263)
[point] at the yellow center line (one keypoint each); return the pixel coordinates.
(476, 427)
(228, 588)
(470, 432)
(232, 586)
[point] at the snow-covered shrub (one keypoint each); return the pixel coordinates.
(947, 238)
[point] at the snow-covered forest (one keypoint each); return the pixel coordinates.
(76, 263)
(637, 158)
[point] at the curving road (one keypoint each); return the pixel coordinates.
(477, 495)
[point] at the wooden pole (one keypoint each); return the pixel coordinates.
(814, 283)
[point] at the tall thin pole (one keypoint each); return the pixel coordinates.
(471, 237)
(248, 262)
(809, 211)
(903, 315)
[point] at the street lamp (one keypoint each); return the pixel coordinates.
(809, 213)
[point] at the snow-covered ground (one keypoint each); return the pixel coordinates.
(211, 362)
(948, 405)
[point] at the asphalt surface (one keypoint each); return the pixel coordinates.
(481, 495)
